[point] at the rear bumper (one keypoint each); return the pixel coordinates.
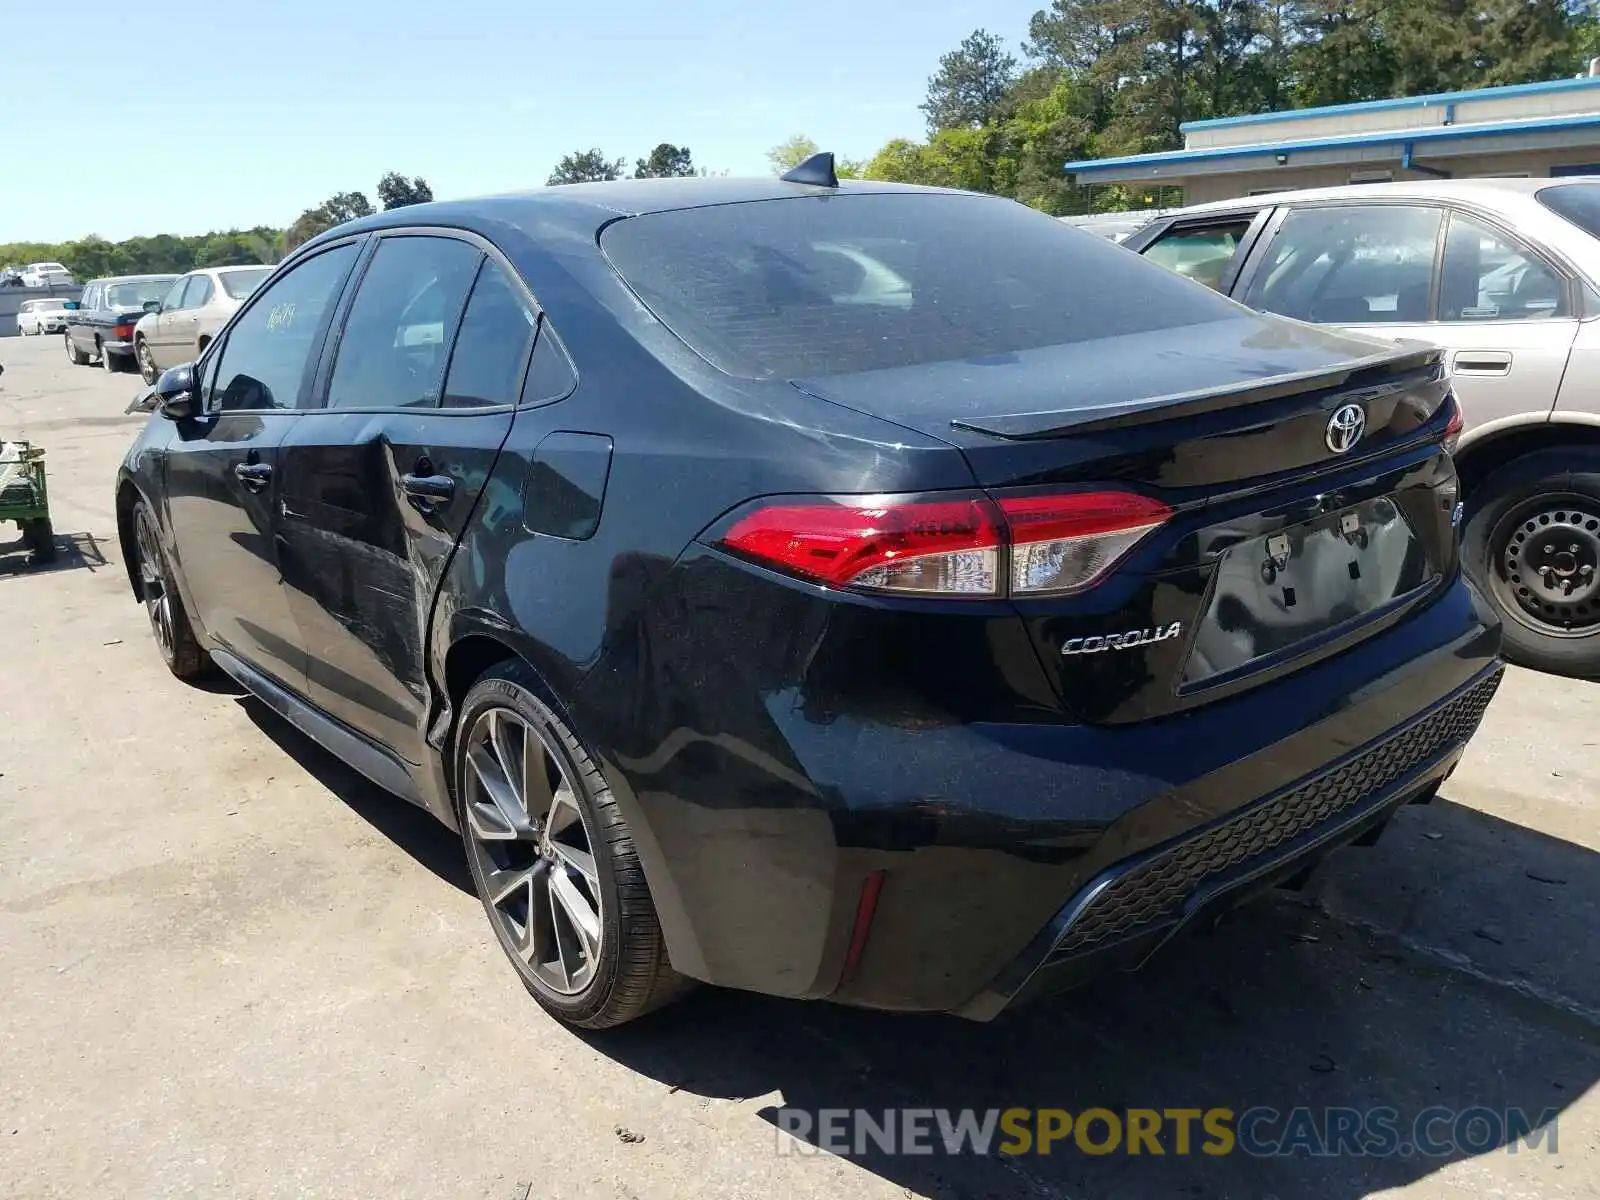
(115, 346)
(772, 782)
(1122, 916)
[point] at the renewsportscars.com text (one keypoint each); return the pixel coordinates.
(1260, 1132)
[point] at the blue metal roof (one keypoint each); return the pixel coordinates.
(1492, 93)
(1384, 137)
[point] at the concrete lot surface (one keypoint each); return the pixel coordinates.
(229, 966)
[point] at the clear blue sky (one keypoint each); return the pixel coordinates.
(192, 115)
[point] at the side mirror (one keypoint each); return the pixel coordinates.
(152, 306)
(70, 305)
(174, 393)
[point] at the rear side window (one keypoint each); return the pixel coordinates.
(1577, 202)
(400, 326)
(816, 286)
(240, 284)
(486, 365)
(1201, 253)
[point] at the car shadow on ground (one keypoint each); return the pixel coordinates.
(410, 828)
(73, 550)
(1286, 1004)
(1301, 1001)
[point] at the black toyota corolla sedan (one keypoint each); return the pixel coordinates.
(861, 592)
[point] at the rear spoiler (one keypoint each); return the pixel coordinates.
(1378, 374)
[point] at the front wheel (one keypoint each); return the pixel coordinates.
(169, 623)
(553, 861)
(1532, 545)
(147, 364)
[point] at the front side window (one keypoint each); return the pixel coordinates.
(270, 344)
(815, 286)
(1201, 253)
(1353, 264)
(174, 297)
(1487, 277)
(399, 329)
(486, 364)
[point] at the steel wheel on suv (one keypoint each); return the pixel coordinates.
(552, 860)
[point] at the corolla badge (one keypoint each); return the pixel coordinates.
(1122, 641)
(1345, 428)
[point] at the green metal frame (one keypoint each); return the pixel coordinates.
(38, 503)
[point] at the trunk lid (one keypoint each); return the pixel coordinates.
(1283, 547)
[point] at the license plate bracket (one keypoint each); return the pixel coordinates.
(1279, 594)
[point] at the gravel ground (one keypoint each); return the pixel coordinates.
(230, 966)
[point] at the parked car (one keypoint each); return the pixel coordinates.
(1115, 226)
(100, 323)
(182, 323)
(46, 274)
(41, 316)
(762, 623)
(1503, 273)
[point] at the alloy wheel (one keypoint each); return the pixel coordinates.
(1549, 560)
(147, 366)
(534, 849)
(153, 585)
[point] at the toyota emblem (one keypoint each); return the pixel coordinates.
(1345, 428)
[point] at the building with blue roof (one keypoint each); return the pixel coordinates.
(1524, 130)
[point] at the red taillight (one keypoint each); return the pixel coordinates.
(1452, 431)
(974, 546)
(941, 546)
(123, 332)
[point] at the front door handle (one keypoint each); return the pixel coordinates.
(1482, 362)
(254, 476)
(427, 492)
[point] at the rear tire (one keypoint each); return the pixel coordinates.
(550, 845)
(1532, 545)
(169, 622)
(109, 362)
(75, 356)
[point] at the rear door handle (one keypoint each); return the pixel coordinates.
(1482, 362)
(427, 492)
(254, 476)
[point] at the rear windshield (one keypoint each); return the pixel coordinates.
(1577, 202)
(240, 284)
(808, 287)
(132, 295)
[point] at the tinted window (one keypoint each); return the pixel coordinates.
(240, 284)
(1199, 253)
(133, 295)
(550, 374)
(267, 349)
(819, 286)
(1487, 277)
(486, 365)
(392, 350)
(1350, 265)
(208, 377)
(1577, 202)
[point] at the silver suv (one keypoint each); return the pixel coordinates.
(1503, 273)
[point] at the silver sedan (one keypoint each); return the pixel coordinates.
(189, 315)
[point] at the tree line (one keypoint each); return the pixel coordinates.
(1097, 78)
(1089, 79)
(92, 257)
